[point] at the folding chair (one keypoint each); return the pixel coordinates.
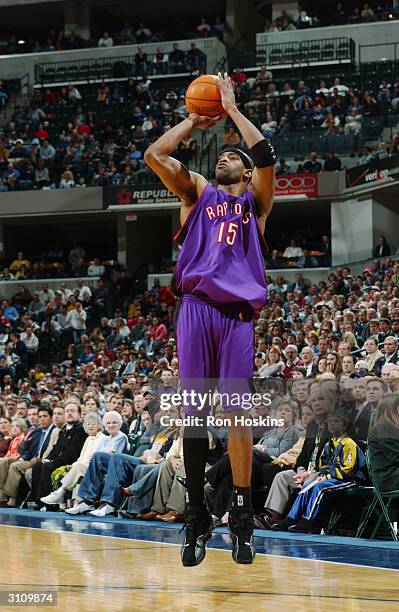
(381, 499)
(360, 491)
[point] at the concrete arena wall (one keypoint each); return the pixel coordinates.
(16, 66)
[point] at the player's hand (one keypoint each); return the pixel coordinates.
(203, 123)
(226, 89)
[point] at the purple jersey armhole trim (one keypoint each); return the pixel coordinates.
(181, 234)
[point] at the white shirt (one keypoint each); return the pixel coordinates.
(46, 296)
(31, 342)
(94, 270)
(341, 88)
(76, 319)
(89, 448)
(291, 251)
(65, 294)
(84, 289)
(106, 42)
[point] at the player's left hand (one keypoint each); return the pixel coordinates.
(227, 92)
(203, 123)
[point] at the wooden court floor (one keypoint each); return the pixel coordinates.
(98, 573)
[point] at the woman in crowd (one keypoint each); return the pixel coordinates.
(92, 425)
(91, 403)
(333, 364)
(5, 435)
(269, 447)
(67, 181)
(274, 363)
(322, 364)
(384, 443)
(350, 338)
(18, 430)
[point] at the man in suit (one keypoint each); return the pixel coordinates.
(66, 451)
(391, 352)
(307, 358)
(33, 450)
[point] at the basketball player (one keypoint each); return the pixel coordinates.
(220, 273)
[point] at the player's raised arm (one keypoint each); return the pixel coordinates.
(187, 185)
(262, 153)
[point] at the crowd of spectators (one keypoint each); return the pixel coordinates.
(79, 137)
(340, 13)
(331, 107)
(129, 34)
(68, 138)
(74, 362)
(56, 262)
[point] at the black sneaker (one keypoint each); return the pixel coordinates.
(198, 526)
(241, 527)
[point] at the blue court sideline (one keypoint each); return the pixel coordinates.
(369, 553)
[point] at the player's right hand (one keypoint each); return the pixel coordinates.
(203, 123)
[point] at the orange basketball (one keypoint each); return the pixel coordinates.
(203, 96)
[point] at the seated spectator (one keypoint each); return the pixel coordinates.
(382, 248)
(307, 261)
(383, 443)
(306, 466)
(42, 175)
(367, 13)
(274, 442)
(196, 59)
(176, 59)
(17, 433)
(264, 76)
(332, 124)
(143, 33)
(67, 180)
(269, 127)
(92, 425)
(341, 464)
(5, 437)
(353, 123)
(47, 152)
(20, 262)
(232, 138)
(111, 471)
(293, 250)
(204, 28)
(74, 93)
(283, 168)
(273, 365)
(332, 163)
(384, 95)
(370, 106)
(312, 165)
(95, 268)
(105, 40)
(300, 17)
(162, 497)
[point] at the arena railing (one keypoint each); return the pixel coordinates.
(320, 52)
(98, 70)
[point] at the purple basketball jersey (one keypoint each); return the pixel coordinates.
(221, 258)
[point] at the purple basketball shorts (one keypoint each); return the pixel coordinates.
(215, 347)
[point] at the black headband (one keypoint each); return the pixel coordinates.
(246, 160)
